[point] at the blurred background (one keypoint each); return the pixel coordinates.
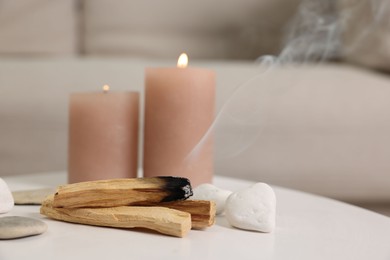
(355, 31)
(311, 113)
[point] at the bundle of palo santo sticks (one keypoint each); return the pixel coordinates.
(158, 203)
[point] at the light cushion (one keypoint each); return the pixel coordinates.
(34, 27)
(323, 130)
(366, 36)
(204, 29)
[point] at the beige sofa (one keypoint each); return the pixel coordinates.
(320, 128)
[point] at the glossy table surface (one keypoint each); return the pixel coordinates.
(307, 227)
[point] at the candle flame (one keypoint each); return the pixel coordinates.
(106, 88)
(182, 62)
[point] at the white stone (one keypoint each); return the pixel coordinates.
(253, 208)
(18, 227)
(210, 192)
(32, 197)
(6, 199)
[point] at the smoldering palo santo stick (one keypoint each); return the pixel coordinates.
(122, 192)
(163, 220)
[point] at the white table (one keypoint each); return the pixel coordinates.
(308, 227)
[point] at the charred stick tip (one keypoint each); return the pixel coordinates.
(179, 188)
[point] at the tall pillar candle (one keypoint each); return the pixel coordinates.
(103, 135)
(179, 110)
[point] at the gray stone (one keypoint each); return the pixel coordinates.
(31, 197)
(18, 227)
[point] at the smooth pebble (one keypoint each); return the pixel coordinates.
(210, 192)
(6, 199)
(18, 227)
(253, 208)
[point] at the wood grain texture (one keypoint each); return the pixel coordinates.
(161, 219)
(202, 211)
(121, 192)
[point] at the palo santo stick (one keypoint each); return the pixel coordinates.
(122, 192)
(164, 220)
(202, 211)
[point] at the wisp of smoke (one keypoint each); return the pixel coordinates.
(314, 35)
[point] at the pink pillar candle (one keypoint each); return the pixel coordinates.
(103, 135)
(179, 109)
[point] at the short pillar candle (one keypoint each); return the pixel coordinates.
(179, 110)
(103, 135)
